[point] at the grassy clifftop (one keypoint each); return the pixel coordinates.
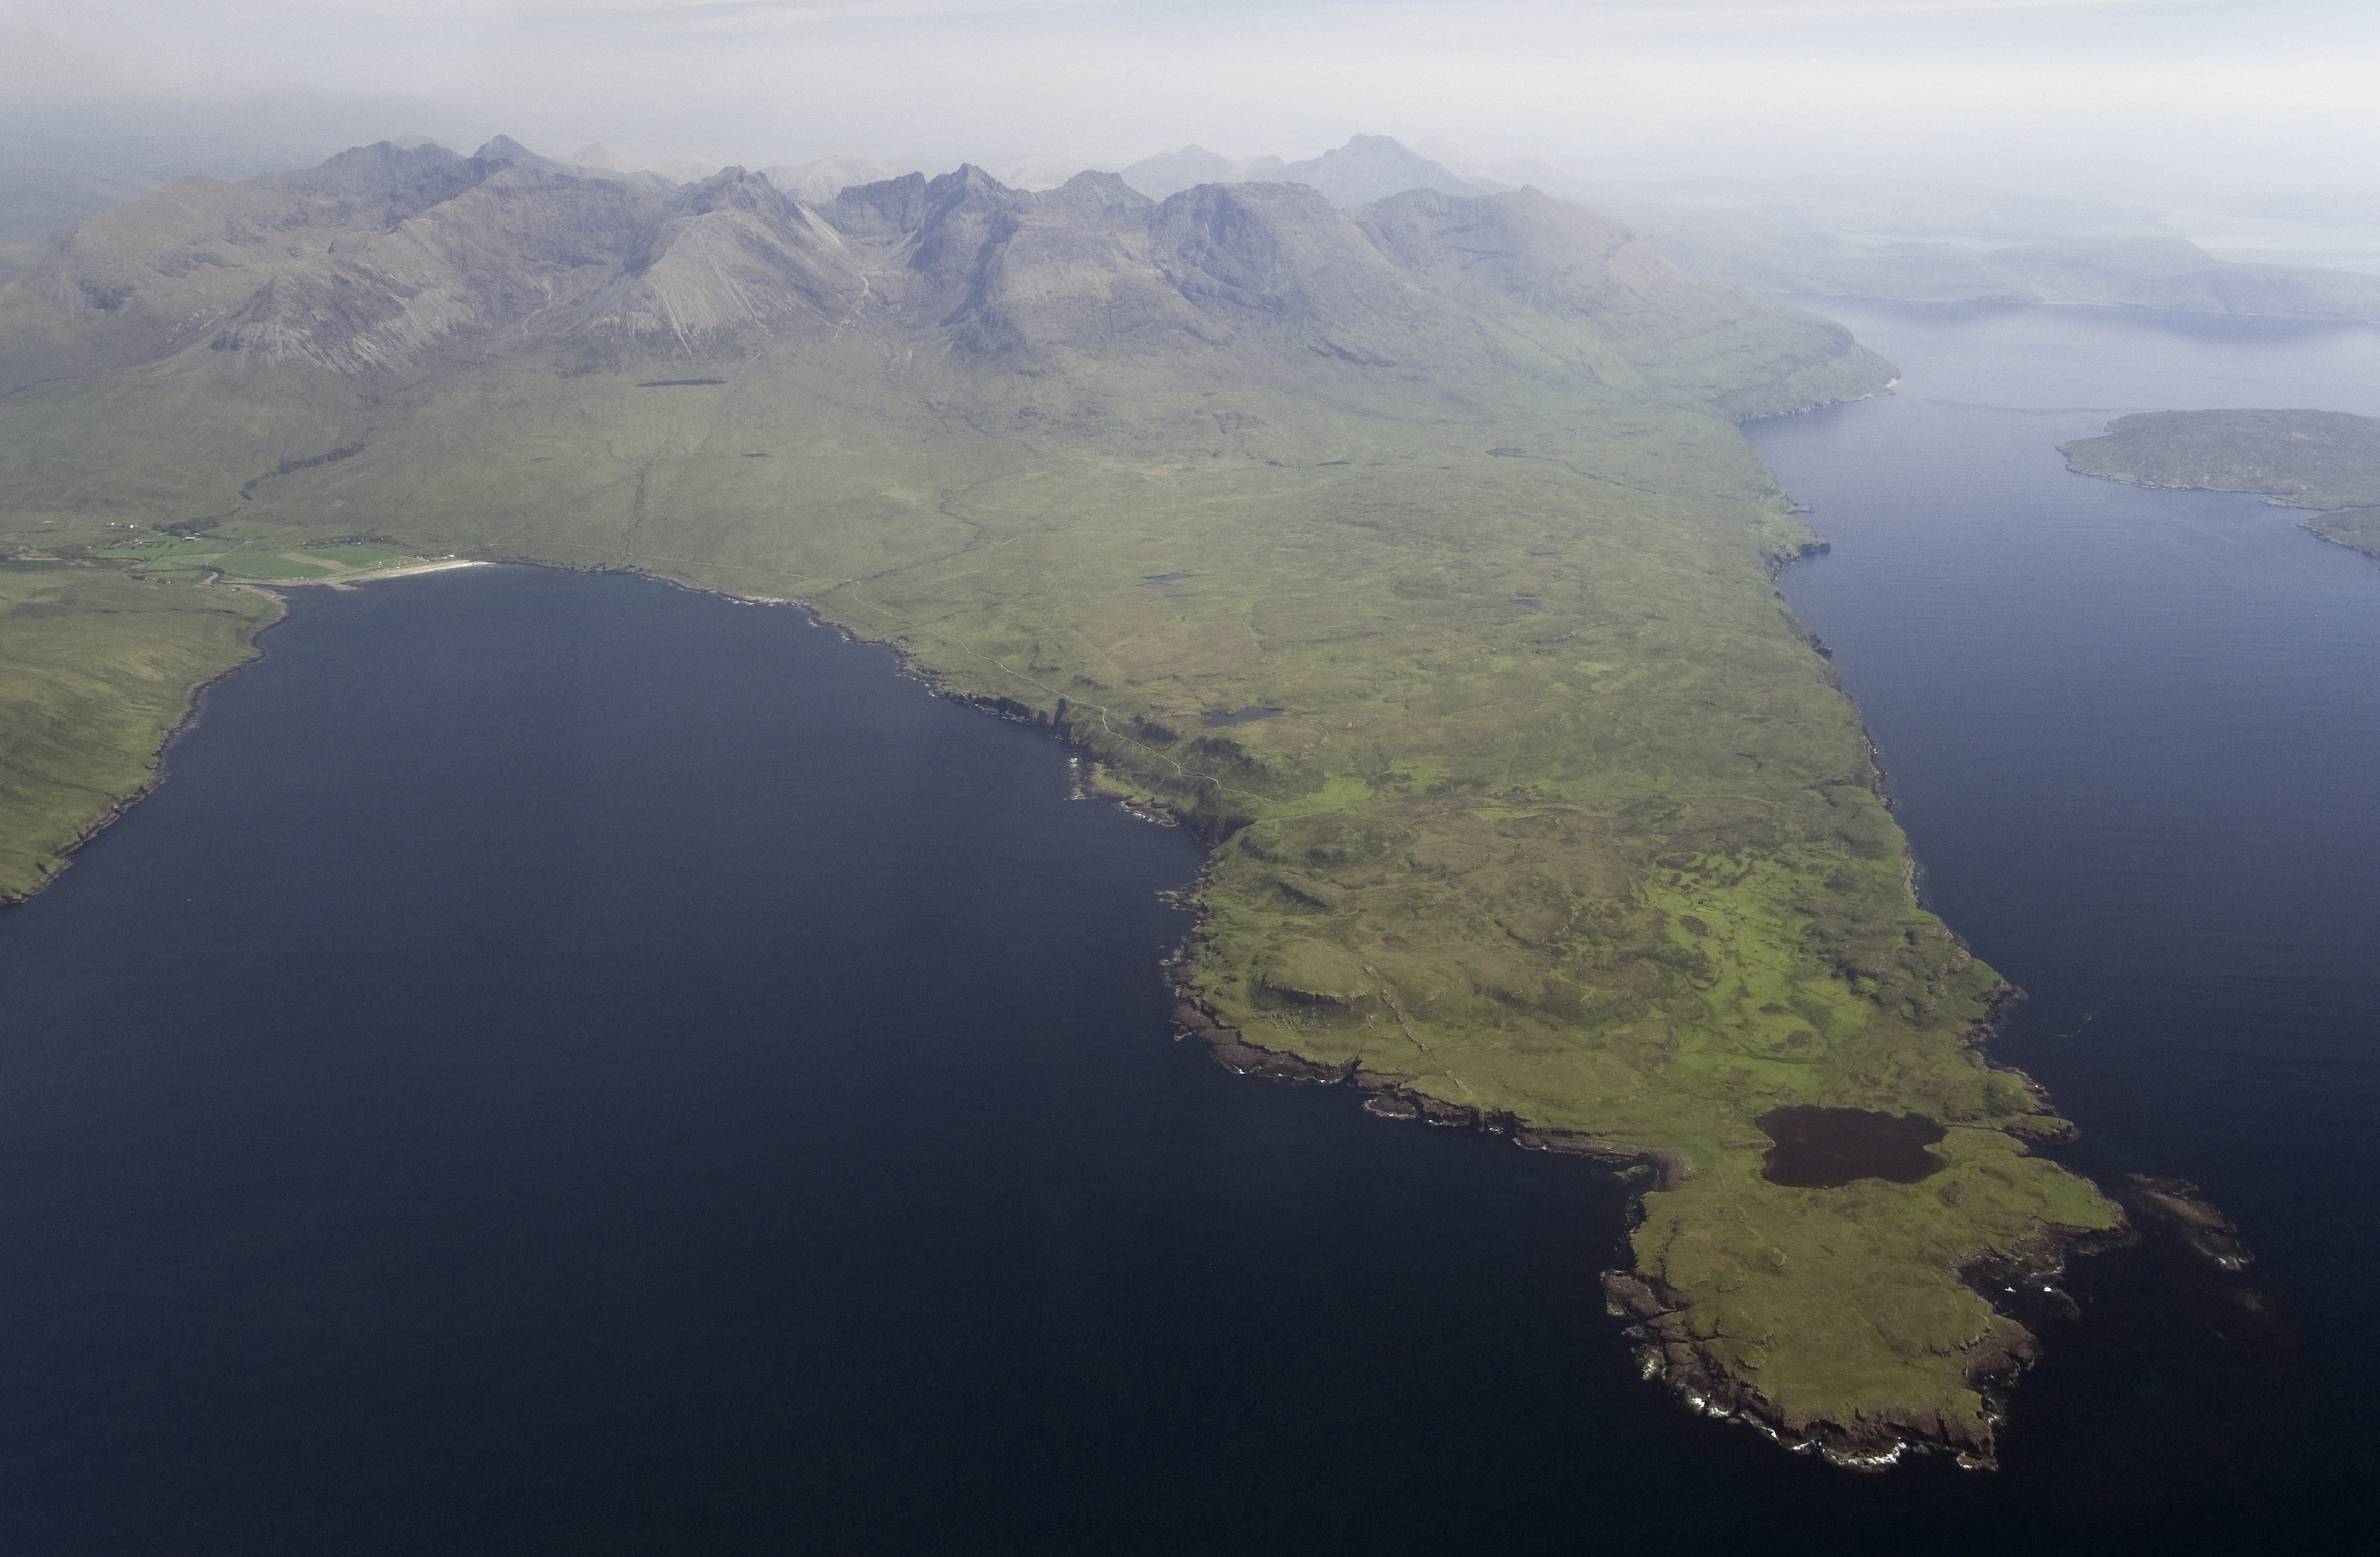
(1561, 826)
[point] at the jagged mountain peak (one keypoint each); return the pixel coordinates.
(611, 167)
(964, 180)
(1368, 167)
(735, 189)
(1094, 194)
(386, 257)
(384, 184)
(897, 210)
(1170, 172)
(360, 170)
(1279, 250)
(504, 147)
(814, 183)
(1373, 167)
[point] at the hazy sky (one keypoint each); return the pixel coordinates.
(2075, 94)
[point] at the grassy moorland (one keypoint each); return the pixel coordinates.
(1563, 825)
(2329, 461)
(107, 631)
(96, 669)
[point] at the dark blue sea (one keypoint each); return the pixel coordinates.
(570, 1065)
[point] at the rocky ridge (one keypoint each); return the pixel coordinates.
(385, 257)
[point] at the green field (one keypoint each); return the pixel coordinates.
(1564, 822)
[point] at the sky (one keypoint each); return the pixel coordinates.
(2083, 96)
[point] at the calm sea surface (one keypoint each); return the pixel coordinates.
(568, 1065)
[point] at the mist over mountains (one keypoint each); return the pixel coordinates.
(1812, 236)
(386, 256)
(1369, 167)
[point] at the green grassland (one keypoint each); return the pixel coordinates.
(96, 669)
(107, 630)
(267, 555)
(2329, 461)
(2358, 528)
(1564, 821)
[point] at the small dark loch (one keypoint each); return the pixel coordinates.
(1827, 1148)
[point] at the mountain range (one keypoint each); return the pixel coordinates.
(1845, 236)
(384, 256)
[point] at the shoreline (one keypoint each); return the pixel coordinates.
(1665, 1347)
(155, 773)
(2272, 500)
(348, 581)
(188, 717)
(1666, 1351)
(1660, 1336)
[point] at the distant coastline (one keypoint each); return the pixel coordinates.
(2325, 461)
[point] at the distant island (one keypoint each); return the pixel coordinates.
(2327, 461)
(1408, 552)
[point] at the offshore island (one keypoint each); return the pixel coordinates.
(1407, 553)
(2327, 460)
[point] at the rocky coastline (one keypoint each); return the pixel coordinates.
(1666, 1349)
(1658, 1327)
(1659, 1330)
(1660, 1333)
(2202, 1229)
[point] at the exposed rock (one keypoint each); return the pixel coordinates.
(1671, 1352)
(1229, 1050)
(2174, 1202)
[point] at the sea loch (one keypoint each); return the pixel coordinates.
(567, 1064)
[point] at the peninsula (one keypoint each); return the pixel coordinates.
(2327, 461)
(1408, 552)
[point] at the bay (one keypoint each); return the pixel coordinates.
(569, 1064)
